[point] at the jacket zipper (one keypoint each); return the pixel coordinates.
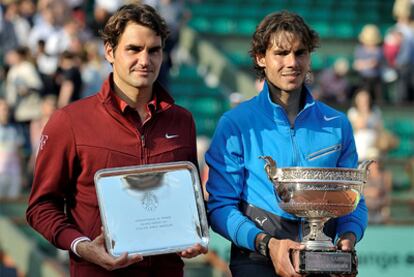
(143, 154)
(296, 161)
(295, 148)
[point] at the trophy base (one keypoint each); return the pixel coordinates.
(324, 262)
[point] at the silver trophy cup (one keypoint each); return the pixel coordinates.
(318, 194)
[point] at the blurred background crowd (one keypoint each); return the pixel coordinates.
(51, 55)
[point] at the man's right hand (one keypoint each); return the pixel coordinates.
(279, 251)
(95, 252)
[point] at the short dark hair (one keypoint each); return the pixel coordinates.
(279, 22)
(141, 14)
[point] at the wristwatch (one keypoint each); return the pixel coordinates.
(263, 245)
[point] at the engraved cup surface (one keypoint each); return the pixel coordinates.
(318, 192)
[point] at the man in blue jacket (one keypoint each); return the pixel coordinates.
(286, 123)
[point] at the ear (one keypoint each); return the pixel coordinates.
(261, 61)
(109, 53)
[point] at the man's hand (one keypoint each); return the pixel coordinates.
(95, 252)
(346, 243)
(279, 251)
(193, 251)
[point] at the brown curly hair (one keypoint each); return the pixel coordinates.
(276, 23)
(141, 14)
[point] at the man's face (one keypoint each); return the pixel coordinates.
(286, 62)
(137, 58)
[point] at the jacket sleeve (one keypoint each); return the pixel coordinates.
(225, 186)
(357, 221)
(54, 172)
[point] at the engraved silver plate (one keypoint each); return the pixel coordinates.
(151, 209)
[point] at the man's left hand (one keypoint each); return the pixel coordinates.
(346, 243)
(193, 251)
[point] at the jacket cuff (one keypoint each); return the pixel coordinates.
(351, 227)
(246, 237)
(65, 238)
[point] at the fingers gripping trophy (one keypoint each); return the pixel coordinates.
(318, 194)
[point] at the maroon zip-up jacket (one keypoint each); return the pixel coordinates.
(91, 134)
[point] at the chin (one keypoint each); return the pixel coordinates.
(295, 86)
(291, 88)
(143, 83)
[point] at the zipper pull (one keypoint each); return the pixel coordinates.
(143, 140)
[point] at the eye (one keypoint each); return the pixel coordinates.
(301, 52)
(133, 49)
(281, 53)
(155, 50)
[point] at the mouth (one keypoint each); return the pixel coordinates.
(291, 74)
(142, 72)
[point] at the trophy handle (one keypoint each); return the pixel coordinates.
(365, 164)
(270, 167)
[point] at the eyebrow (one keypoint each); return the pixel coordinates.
(155, 48)
(139, 47)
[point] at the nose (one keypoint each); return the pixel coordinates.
(291, 60)
(144, 59)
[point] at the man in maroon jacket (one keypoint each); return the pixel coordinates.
(131, 121)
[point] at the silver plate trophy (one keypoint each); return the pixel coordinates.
(151, 209)
(318, 194)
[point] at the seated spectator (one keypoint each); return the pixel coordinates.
(377, 192)
(368, 60)
(66, 38)
(11, 161)
(403, 13)
(391, 48)
(45, 23)
(46, 66)
(69, 78)
(20, 24)
(399, 53)
(332, 84)
(367, 122)
(23, 85)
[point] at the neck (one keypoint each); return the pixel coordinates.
(290, 101)
(136, 98)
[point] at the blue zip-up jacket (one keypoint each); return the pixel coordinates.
(320, 137)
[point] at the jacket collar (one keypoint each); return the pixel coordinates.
(275, 111)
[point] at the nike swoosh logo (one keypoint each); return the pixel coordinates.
(168, 136)
(261, 221)
(330, 118)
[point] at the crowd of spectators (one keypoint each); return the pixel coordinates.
(51, 55)
(45, 63)
(382, 63)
